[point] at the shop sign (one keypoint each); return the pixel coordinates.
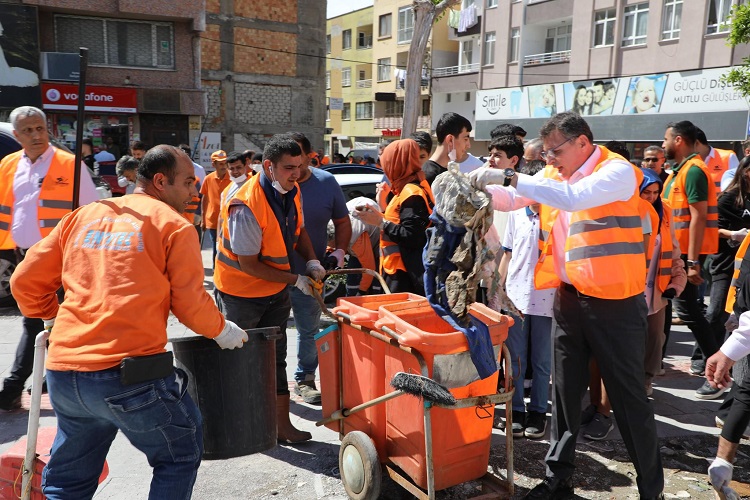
(336, 103)
(391, 133)
(62, 96)
(208, 143)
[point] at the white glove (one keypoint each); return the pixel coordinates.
(231, 336)
(720, 473)
(739, 235)
(339, 254)
(48, 324)
(732, 323)
(315, 270)
(305, 284)
(481, 177)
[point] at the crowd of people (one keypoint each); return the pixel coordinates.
(593, 253)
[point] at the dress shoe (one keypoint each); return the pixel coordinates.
(552, 489)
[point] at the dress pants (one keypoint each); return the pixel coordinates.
(614, 333)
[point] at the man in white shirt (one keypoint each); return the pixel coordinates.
(592, 251)
(34, 185)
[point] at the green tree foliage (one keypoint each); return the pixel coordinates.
(739, 76)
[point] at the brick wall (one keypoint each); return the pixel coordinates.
(215, 112)
(211, 50)
(263, 104)
(281, 60)
(281, 11)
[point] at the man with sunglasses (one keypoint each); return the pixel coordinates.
(593, 253)
(653, 158)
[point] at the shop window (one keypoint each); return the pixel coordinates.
(114, 42)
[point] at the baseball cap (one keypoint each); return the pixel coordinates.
(218, 155)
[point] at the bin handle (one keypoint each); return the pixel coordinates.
(362, 270)
(267, 333)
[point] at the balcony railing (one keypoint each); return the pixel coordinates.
(547, 58)
(394, 122)
(401, 84)
(364, 84)
(455, 70)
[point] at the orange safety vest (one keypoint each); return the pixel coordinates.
(664, 273)
(55, 196)
(390, 252)
(228, 277)
(718, 165)
(195, 204)
(681, 208)
(604, 254)
(738, 258)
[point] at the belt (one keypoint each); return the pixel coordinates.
(570, 288)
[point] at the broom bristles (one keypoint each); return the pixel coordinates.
(423, 388)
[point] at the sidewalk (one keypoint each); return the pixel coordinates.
(310, 471)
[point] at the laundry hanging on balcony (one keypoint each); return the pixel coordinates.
(454, 17)
(468, 18)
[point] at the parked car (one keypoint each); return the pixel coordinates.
(8, 145)
(372, 153)
(351, 168)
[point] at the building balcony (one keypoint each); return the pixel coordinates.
(455, 70)
(364, 84)
(562, 56)
(395, 122)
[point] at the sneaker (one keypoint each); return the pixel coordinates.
(698, 367)
(498, 422)
(519, 423)
(309, 393)
(536, 425)
(599, 428)
(10, 401)
(708, 392)
(587, 415)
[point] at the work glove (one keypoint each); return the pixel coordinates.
(739, 235)
(720, 473)
(732, 323)
(481, 177)
(48, 324)
(307, 285)
(335, 259)
(314, 270)
(231, 336)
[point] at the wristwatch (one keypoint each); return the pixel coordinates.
(693, 263)
(509, 173)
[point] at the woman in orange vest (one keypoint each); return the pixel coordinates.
(406, 217)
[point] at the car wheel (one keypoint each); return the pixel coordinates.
(7, 266)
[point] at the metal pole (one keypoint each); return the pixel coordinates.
(40, 344)
(83, 64)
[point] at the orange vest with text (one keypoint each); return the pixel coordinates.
(719, 164)
(228, 277)
(604, 254)
(55, 197)
(390, 253)
(681, 208)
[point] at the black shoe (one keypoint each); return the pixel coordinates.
(698, 367)
(536, 425)
(707, 392)
(519, 423)
(10, 400)
(309, 393)
(551, 489)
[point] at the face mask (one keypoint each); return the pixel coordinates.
(452, 154)
(257, 167)
(240, 179)
(276, 185)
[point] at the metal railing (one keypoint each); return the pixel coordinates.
(455, 70)
(547, 58)
(364, 84)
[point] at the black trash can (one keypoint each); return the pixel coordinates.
(235, 391)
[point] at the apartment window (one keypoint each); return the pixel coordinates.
(425, 107)
(670, 23)
(405, 24)
(115, 42)
(346, 77)
(719, 16)
(466, 55)
(362, 75)
(558, 39)
(491, 3)
(328, 44)
(346, 111)
(604, 28)
(384, 69)
(635, 25)
(364, 111)
(394, 109)
(364, 40)
(346, 39)
(328, 80)
(489, 48)
(384, 25)
(328, 113)
(515, 44)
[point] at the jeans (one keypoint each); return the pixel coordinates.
(157, 416)
(261, 312)
(212, 236)
(307, 319)
(690, 311)
(537, 329)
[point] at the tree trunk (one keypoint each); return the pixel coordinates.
(425, 12)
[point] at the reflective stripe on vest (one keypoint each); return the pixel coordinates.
(604, 248)
(681, 208)
(717, 165)
(228, 276)
(390, 252)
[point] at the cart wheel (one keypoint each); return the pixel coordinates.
(359, 466)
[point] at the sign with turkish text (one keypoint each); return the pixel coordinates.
(208, 143)
(63, 96)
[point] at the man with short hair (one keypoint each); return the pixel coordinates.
(690, 192)
(508, 129)
(262, 227)
(322, 201)
(599, 103)
(452, 133)
(533, 150)
(138, 150)
(36, 191)
(718, 161)
(599, 304)
(109, 316)
(653, 158)
(238, 170)
(214, 184)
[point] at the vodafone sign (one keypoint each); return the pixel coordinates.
(109, 99)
